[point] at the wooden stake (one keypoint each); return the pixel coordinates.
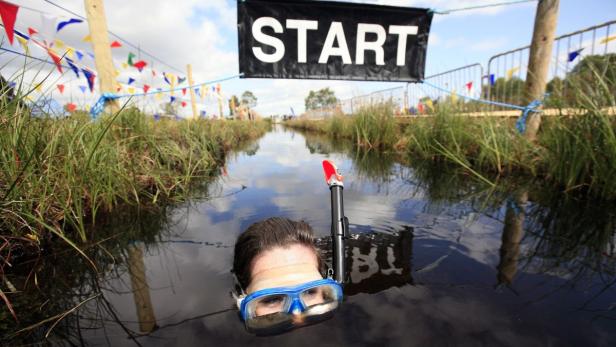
(193, 101)
(539, 60)
(95, 12)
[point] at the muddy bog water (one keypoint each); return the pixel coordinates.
(435, 259)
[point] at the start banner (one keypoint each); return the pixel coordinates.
(331, 40)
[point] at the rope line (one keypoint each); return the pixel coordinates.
(468, 8)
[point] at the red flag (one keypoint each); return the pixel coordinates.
(32, 31)
(56, 59)
(61, 88)
(116, 44)
(8, 13)
(146, 88)
(140, 65)
(183, 103)
(183, 91)
(469, 86)
(70, 107)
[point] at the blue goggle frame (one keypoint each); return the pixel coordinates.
(292, 292)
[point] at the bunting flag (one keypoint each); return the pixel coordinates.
(171, 99)
(83, 89)
(183, 91)
(183, 103)
(61, 88)
(32, 31)
(165, 78)
(146, 88)
(116, 44)
(511, 71)
(181, 80)
(70, 51)
(131, 90)
(430, 104)
(24, 43)
(90, 76)
(420, 108)
(125, 66)
(608, 39)
(79, 54)
(48, 28)
(70, 107)
(117, 73)
(8, 13)
(140, 65)
(156, 117)
(454, 96)
(492, 79)
(58, 43)
(62, 24)
(572, 55)
(72, 65)
(130, 80)
(197, 91)
(87, 38)
(131, 55)
(55, 58)
(469, 86)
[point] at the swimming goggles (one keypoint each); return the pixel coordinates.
(274, 310)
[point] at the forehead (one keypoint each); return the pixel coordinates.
(284, 256)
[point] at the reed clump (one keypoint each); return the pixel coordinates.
(59, 174)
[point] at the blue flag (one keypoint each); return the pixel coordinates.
(67, 22)
(574, 54)
(130, 80)
(79, 55)
(72, 65)
(492, 79)
(172, 99)
(90, 76)
(83, 89)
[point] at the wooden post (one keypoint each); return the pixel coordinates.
(95, 12)
(193, 101)
(539, 60)
(141, 290)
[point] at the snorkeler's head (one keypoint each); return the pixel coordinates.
(276, 252)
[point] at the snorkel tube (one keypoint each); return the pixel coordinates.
(340, 224)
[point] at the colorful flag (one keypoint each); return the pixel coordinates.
(131, 55)
(90, 76)
(608, 39)
(61, 88)
(32, 31)
(58, 43)
(469, 87)
(55, 58)
(197, 91)
(429, 104)
(146, 88)
(125, 66)
(116, 44)
(130, 80)
(492, 79)
(140, 65)
(87, 38)
(62, 24)
(181, 80)
(79, 54)
(8, 13)
(454, 96)
(82, 88)
(572, 55)
(171, 99)
(70, 107)
(72, 65)
(70, 51)
(183, 103)
(24, 43)
(511, 71)
(183, 91)
(131, 90)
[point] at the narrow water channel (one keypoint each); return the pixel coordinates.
(435, 259)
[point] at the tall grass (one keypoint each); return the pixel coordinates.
(58, 175)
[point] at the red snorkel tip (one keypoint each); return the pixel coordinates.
(331, 173)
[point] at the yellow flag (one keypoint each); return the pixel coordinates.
(131, 90)
(608, 39)
(69, 52)
(87, 38)
(124, 65)
(87, 108)
(24, 43)
(429, 103)
(117, 73)
(58, 43)
(171, 77)
(511, 71)
(454, 96)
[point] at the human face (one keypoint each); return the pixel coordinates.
(284, 267)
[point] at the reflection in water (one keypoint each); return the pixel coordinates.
(428, 243)
(141, 290)
(513, 230)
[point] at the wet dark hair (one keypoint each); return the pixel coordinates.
(265, 235)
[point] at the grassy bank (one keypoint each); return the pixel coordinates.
(577, 154)
(59, 175)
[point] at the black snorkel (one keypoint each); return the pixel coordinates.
(340, 224)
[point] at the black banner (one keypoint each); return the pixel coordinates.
(331, 40)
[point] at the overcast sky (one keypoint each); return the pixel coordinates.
(203, 33)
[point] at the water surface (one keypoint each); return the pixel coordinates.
(435, 258)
